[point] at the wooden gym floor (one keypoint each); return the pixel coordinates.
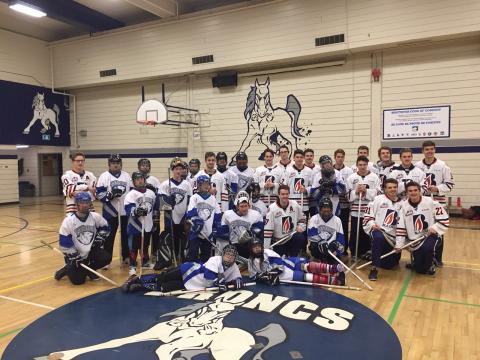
(435, 318)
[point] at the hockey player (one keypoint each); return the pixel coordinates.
(363, 150)
(253, 191)
(217, 181)
(140, 203)
(266, 266)
(175, 193)
(151, 182)
(243, 171)
(438, 183)
(327, 183)
(421, 216)
(204, 217)
(345, 171)
(362, 188)
(231, 180)
(380, 222)
(406, 172)
(221, 271)
(284, 161)
(77, 180)
(298, 178)
(310, 161)
(325, 233)
(385, 164)
(112, 187)
(284, 217)
(193, 169)
(81, 239)
(268, 177)
(236, 222)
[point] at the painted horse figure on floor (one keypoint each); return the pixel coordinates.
(271, 126)
(47, 116)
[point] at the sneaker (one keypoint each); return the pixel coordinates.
(367, 256)
(373, 276)
(93, 277)
(106, 267)
(162, 264)
(431, 271)
(59, 274)
(341, 279)
(132, 284)
(438, 263)
(132, 271)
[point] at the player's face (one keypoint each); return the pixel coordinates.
(362, 167)
(268, 159)
(83, 207)
(178, 171)
(204, 187)
(284, 155)
(78, 164)
(243, 208)
(144, 168)
(339, 159)
(362, 152)
(298, 159)
(210, 162)
(283, 197)
(256, 249)
(194, 168)
(139, 183)
(429, 152)
(406, 159)
(228, 259)
(309, 158)
(325, 212)
(391, 190)
(413, 194)
(327, 165)
(385, 155)
(242, 163)
(115, 166)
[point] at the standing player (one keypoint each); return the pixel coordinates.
(194, 168)
(253, 191)
(77, 180)
(362, 186)
(217, 181)
(204, 216)
(298, 178)
(406, 172)
(327, 183)
(243, 171)
(268, 177)
(283, 217)
(385, 163)
(421, 216)
(325, 233)
(284, 161)
(380, 221)
(81, 239)
(140, 203)
(231, 180)
(363, 150)
(345, 171)
(310, 161)
(112, 187)
(176, 193)
(438, 183)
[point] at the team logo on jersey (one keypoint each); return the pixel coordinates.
(243, 181)
(269, 179)
(287, 224)
(204, 210)
(178, 195)
(419, 223)
(325, 233)
(298, 183)
(85, 234)
(237, 227)
(430, 180)
(390, 219)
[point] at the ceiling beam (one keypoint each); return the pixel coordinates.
(161, 8)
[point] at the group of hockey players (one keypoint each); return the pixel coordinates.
(288, 220)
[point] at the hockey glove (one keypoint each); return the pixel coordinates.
(323, 247)
(74, 259)
(197, 226)
(117, 192)
(99, 240)
(268, 277)
(140, 211)
(333, 246)
(222, 287)
(109, 195)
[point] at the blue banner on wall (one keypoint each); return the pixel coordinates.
(33, 115)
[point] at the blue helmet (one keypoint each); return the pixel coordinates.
(202, 179)
(83, 197)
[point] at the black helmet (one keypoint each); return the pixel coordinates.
(143, 162)
(241, 156)
(325, 203)
(137, 175)
(231, 250)
(325, 158)
(221, 156)
(194, 161)
(254, 191)
(114, 158)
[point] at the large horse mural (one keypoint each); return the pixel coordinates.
(272, 126)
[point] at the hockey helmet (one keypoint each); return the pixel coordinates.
(229, 250)
(325, 203)
(324, 159)
(202, 179)
(83, 201)
(254, 191)
(137, 175)
(176, 162)
(194, 162)
(241, 197)
(253, 242)
(144, 162)
(221, 156)
(241, 156)
(114, 158)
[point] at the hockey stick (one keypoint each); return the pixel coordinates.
(283, 240)
(181, 292)
(411, 243)
(344, 287)
(81, 264)
(350, 270)
(172, 249)
(119, 219)
(142, 241)
(357, 235)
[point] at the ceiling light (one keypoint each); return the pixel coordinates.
(27, 9)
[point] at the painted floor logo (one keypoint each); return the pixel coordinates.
(283, 322)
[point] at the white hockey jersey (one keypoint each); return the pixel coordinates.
(231, 186)
(271, 260)
(283, 168)
(198, 276)
(152, 180)
(233, 224)
(280, 222)
(72, 182)
(207, 210)
(437, 174)
(181, 193)
(404, 176)
(383, 212)
(146, 199)
(383, 170)
(320, 231)
(414, 221)
(339, 189)
(294, 178)
(218, 182)
(345, 171)
(108, 182)
(76, 235)
(371, 167)
(315, 169)
(260, 207)
(191, 180)
(270, 175)
(372, 183)
(244, 177)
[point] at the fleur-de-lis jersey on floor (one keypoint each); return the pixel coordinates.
(180, 195)
(206, 211)
(282, 221)
(72, 182)
(404, 176)
(77, 235)
(372, 183)
(437, 174)
(383, 212)
(233, 224)
(219, 183)
(109, 183)
(320, 231)
(294, 178)
(415, 219)
(264, 175)
(145, 199)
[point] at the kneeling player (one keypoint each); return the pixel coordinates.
(421, 216)
(265, 265)
(380, 221)
(220, 271)
(325, 233)
(81, 239)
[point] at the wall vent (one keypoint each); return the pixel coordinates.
(109, 72)
(202, 59)
(328, 40)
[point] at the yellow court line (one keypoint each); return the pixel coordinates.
(461, 263)
(26, 284)
(461, 268)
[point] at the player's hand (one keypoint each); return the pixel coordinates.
(74, 259)
(433, 189)
(432, 231)
(109, 195)
(397, 250)
(238, 283)
(323, 247)
(376, 227)
(213, 191)
(269, 185)
(333, 246)
(300, 228)
(302, 189)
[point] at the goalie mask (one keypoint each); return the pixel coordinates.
(229, 255)
(326, 166)
(254, 191)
